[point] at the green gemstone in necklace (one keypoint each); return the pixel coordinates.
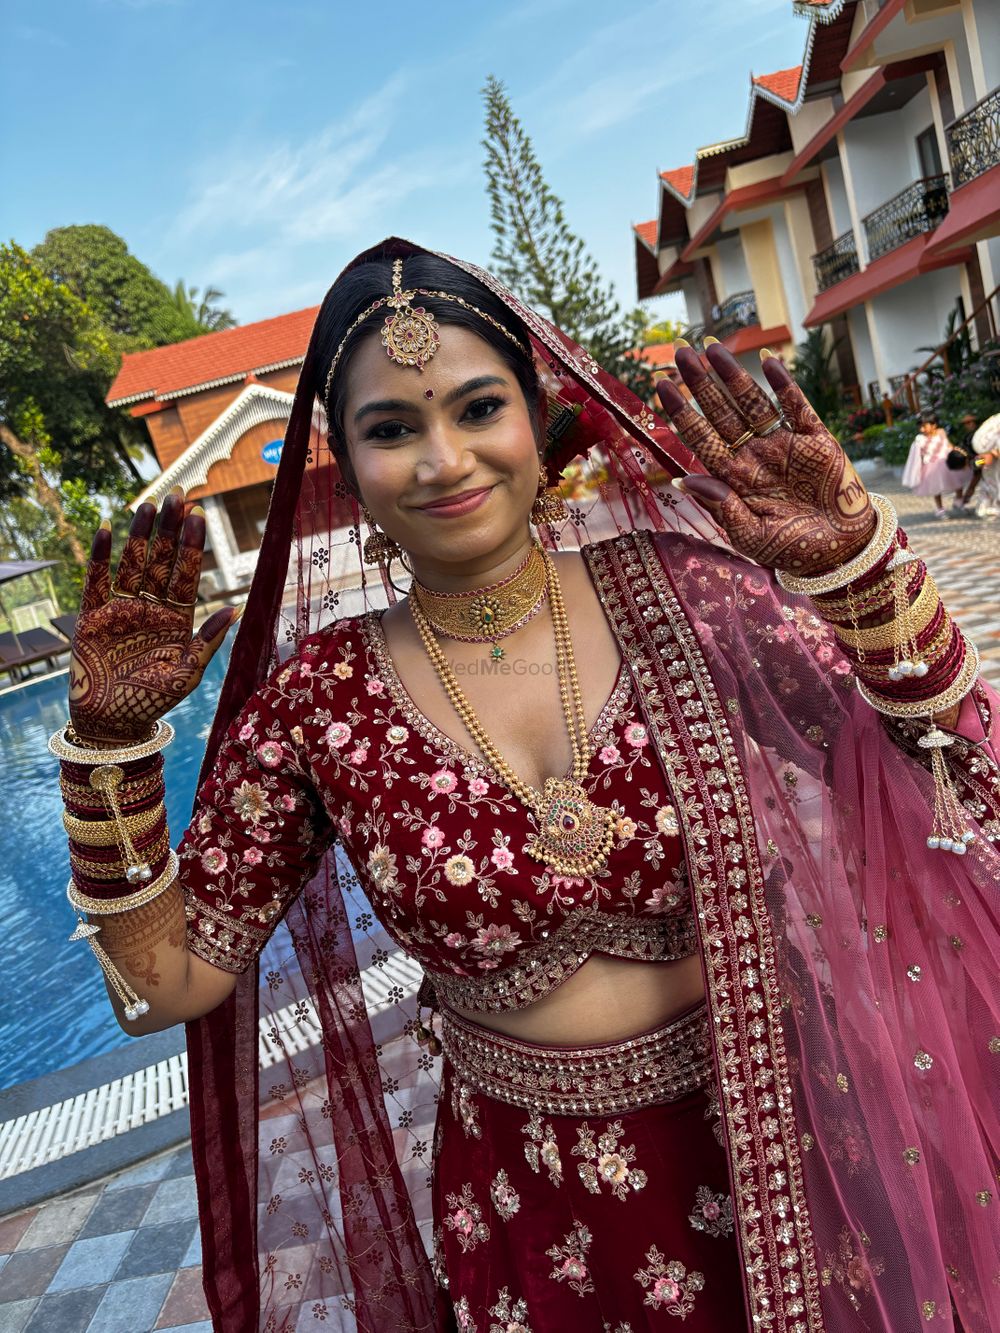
(497, 653)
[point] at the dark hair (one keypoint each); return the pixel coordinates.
(931, 417)
(355, 290)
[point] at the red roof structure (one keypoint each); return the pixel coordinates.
(646, 231)
(784, 83)
(680, 180)
(214, 358)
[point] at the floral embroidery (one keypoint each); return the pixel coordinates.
(570, 1260)
(459, 870)
(214, 860)
(466, 1324)
(382, 867)
(443, 781)
(506, 1199)
(713, 1213)
(465, 1110)
(542, 1149)
(466, 1219)
(269, 754)
(338, 734)
(611, 1164)
(514, 1314)
(848, 1143)
(249, 802)
(666, 821)
(669, 1286)
(850, 1269)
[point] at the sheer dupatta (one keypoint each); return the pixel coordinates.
(312, 1109)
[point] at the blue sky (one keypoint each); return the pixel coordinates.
(257, 147)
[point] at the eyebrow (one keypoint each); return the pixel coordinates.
(405, 405)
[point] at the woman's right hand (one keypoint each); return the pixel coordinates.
(134, 657)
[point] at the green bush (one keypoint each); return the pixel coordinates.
(896, 441)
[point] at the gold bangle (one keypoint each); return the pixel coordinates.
(118, 869)
(882, 540)
(115, 906)
(921, 612)
(940, 703)
(105, 832)
(63, 748)
(131, 790)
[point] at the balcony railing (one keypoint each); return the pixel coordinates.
(738, 311)
(837, 261)
(918, 208)
(974, 140)
(695, 333)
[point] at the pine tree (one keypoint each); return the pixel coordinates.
(540, 259)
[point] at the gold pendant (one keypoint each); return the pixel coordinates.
(576, 835)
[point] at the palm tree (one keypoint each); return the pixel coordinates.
(202, 313)
(815, 373)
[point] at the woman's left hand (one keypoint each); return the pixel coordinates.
(788, 498)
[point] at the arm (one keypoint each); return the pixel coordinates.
(133, 660)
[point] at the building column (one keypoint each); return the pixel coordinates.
(221, 539)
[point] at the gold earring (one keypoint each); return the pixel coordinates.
(379, 548)
(549, 506)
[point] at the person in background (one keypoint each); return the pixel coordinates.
(986, 446)
(927, 471)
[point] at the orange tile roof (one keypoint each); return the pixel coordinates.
(784, 83)
(646, 231)
(658, 356)
(680, 179)
(213, 358)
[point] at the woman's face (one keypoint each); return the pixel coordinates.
(928, 427)
(414, 438)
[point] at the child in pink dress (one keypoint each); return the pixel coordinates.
(927, 471)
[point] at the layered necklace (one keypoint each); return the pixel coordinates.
(575, 835)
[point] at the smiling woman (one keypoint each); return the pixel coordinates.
(715, 1028)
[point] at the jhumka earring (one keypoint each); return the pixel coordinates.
(549, 506)
(379, 548)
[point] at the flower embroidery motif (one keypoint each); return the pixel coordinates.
(214, 860)
(342, 670)
(463, 1316)
(513, 1314)
(542, 1148)
(494, 940)
(465, 1218)
(569, 1260)
(250, 802)
(338, 734)
(668, 1285)
(432, 838)
(459, 870)
(396, 735)
(443, 782)
(465, 1111)
(269, 754)
(850, 1269)
(382, 867)
(609, 1162)
(712, 1213)
(666, 821)
(506, 1199)
(636, 735)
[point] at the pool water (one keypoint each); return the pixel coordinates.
(55, 1010)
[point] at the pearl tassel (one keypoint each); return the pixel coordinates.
(949, 832)
(135, 1006)
(908, 661)
(106, 780)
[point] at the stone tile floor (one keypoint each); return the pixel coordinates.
(123, 1255)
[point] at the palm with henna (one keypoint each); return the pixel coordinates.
(790, 498)
(134, 657)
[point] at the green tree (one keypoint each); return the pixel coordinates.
(815, 373)
(57, 437)
(135, 307)
(202, 314)
(537, 255)
(664, 332)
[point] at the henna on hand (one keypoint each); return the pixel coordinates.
(790, 499)
(133, 655)
(131, 939)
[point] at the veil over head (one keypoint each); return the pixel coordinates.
(313, 1109)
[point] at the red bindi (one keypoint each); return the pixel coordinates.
(428, 393)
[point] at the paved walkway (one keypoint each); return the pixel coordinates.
(123, 1255)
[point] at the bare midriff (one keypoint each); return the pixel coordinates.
(606, 999)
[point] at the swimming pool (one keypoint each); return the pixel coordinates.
(55, 1011)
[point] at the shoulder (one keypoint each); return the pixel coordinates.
(340, 651)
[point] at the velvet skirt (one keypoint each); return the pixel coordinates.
(584, 1188)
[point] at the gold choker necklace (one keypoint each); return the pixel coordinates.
(575, 835)
(485, 615)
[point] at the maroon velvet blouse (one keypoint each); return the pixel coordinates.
(332, 747)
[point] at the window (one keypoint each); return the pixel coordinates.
(928, 153)
(247, 510)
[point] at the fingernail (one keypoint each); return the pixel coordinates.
(765, 352)
(706, 488)
(708, 340)
(216, 622)
(681, 342)
(199, 510)
(105, 525)
(239, 612)
(177, 490)
(776, 374)
(723, 361)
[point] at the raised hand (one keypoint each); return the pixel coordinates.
(779, 484)
(134, 657)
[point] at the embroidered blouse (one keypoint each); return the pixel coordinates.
(332, 748)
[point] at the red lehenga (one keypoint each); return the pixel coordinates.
(813, 1149)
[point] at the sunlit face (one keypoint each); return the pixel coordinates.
(460, 426)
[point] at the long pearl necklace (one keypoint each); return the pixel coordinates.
(575, 835)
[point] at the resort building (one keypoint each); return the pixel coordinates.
(863, 195)
(216, 408)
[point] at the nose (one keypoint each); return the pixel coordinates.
(444, 458)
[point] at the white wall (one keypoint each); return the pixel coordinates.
(836, 196)
(882, 151)
(913, 315)
(732, 267)
(692, 301)
(790, 280)
(986, 23)
(861, 343)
